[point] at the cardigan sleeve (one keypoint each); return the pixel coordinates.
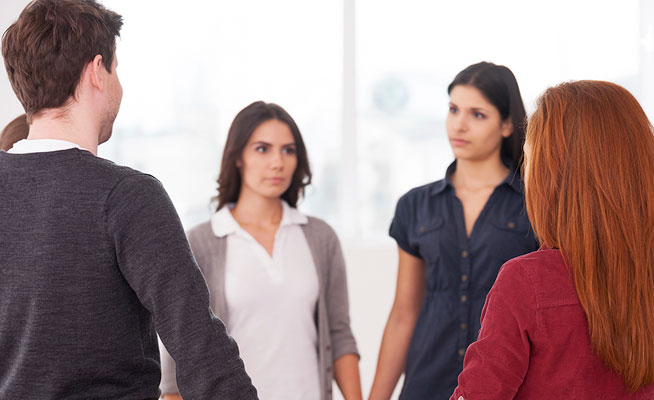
(336, 299)
(168, 379)
(496, 364)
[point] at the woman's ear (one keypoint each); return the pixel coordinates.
(507, 127)
(239, 163)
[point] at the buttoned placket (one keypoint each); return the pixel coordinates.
(466, 259)
(464, 300)
(271, 263)
(465, 268)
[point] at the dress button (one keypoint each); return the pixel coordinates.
(422, 229)
(464, 326)
(464, 299)
(464, 254)
(462, 352)
(511, 225)
(464, 278)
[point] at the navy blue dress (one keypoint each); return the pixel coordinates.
(459, 272)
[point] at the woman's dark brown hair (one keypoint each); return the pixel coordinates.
(590, 193)
(16, 130)
(245, 122)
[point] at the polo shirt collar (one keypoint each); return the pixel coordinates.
(291, 216)
(223, 222)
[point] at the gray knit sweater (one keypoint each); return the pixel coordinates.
(93, 258)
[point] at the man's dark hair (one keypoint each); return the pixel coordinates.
(498, 84)
(47, 48)
(244, 124)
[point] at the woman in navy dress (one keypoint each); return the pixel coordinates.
(453, 235)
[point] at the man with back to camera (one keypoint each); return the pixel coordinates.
(93, 256)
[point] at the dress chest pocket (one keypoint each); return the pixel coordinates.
(427, 236)
(510, 237)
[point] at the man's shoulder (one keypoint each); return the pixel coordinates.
(109, 168)
(111, 176)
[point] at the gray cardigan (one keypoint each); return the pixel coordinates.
(335, 337)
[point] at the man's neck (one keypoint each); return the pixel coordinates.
(74, 130)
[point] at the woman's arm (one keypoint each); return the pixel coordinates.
(343, 346)
(399, 328)
(346, 374)
(171, 397)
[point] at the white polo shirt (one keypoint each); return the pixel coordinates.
(271, 305)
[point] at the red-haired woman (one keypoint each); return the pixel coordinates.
(576, 318)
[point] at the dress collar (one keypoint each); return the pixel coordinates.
(512, 179)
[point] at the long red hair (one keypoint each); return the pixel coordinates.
(590, 193)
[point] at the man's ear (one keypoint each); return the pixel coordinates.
(507, 127)
(96, 72)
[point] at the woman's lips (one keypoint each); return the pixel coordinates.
(459, 142)
(275, 181)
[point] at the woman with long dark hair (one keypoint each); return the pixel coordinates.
(576, 318)
(453, 235)
(276, 276)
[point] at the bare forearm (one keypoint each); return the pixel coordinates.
(392, 357)
(171, 397)
(346, 373)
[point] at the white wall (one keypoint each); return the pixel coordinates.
(10, 108)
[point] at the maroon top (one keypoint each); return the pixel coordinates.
(534, 342)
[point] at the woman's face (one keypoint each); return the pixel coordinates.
(474, 126)
(268, 160)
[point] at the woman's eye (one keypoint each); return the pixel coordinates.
(479, 115)
(289, 150)
(260, 149)
(453, 110)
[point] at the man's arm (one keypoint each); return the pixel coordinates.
(155, 259)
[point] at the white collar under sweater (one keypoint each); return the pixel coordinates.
(42, 145)
(223, 222)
